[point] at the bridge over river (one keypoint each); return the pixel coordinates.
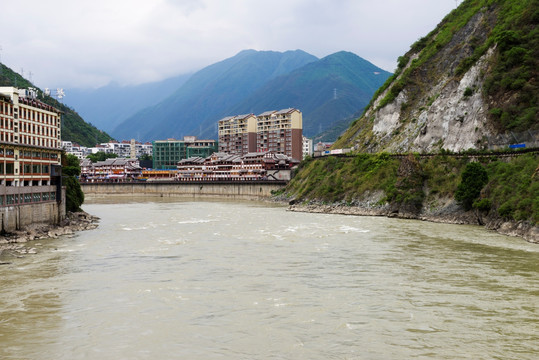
(245, 190)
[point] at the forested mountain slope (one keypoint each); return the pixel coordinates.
(74, 128)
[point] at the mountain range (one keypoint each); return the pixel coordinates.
(117, 103)
(326, 90)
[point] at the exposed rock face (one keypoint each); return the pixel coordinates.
(454, 116)
(439, 106)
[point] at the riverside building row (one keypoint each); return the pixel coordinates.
(29, 139)
(30, 165)
(265, 165)
(276, 131)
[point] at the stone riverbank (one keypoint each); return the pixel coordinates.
(15, 243)
(448, 214)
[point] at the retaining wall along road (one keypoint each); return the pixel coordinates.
(246, 190)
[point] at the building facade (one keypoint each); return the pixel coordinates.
(110, 170)
(30, 155)
(29, 139)
(127, 149)
(276, 131)
(237, 134)
(167, 153)
(227, 167)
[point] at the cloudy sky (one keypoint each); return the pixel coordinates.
(90, 43)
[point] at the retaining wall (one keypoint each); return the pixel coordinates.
(21, 216)
(238, 190)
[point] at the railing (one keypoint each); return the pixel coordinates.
(20, 195)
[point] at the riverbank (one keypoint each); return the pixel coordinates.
(450, 213)
(16, 242)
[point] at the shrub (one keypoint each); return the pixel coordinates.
(474, 177)
(483, 205)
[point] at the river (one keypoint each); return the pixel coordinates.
(247, 280)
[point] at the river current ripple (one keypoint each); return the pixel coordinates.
(238, 280)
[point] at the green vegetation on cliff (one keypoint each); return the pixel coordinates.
(416, 183)
(74, 128)
(509, 84)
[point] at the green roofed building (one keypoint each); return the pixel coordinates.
(167, 153)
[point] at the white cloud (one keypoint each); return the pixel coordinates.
(78, 44)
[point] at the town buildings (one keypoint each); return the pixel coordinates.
(30, 152)
(219, 166)
(110, 170)
(29, 139)
(167, 153)
(276, 131)
(127, 149)
(307, 147)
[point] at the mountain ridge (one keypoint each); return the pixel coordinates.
(257, 81)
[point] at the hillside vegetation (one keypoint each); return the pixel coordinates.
(74, 128)
(468, 86)
(476, 74)
(414, 186)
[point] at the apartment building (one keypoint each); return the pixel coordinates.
(276, 131)
(30, 133)
(237, 134)
(307, 147)
(167, 153)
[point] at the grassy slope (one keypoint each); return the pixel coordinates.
(511, 85)
(512, 191)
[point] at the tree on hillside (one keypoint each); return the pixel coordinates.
(70, 171)
(474, 178)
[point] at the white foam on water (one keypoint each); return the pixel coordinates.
(195, 221)
(348, 229)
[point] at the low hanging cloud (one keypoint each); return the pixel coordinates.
(93, 43)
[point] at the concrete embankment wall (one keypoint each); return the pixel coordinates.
(240, 190)
(20, 216)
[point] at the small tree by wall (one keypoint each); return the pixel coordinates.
(74, 194)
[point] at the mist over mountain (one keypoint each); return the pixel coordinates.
(108, 106)
(74, 128)
(325, 90)
(197, 105)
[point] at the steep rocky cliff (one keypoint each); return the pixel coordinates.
(470, 84)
